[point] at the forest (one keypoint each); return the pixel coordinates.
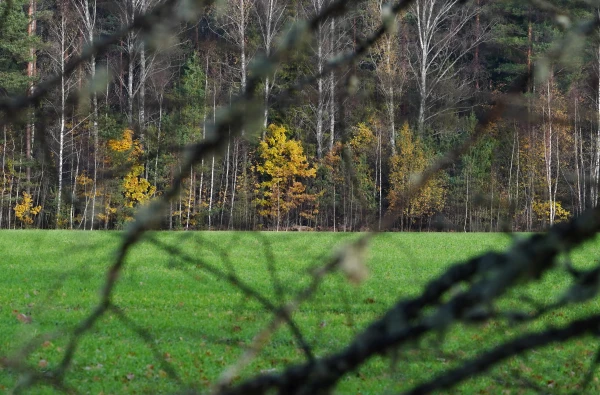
(337, 155)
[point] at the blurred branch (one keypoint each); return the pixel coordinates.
(491, 275)
(243, 287)
(165, 13)
(506, 350)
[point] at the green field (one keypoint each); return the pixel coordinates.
(199, 324)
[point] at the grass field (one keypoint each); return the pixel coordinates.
(199, 325)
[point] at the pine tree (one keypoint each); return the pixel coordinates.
(14, 49)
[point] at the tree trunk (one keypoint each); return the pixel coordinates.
(226, 181)
(548, 135)
(159, 129)
(31, 71)
(595, 179)
(332, 89)
(96, 142)
(578, 207)
(4, 180)
(189, 205)
(320, 93)
(61, 131)
(212, 166)
(234, 181)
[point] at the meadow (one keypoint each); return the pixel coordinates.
(181, 317)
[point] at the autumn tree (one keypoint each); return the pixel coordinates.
(134, 189)
(360, 180)
(25, 211)
(282, 167)
(406, 165)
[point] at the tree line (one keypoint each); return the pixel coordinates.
(338, 155)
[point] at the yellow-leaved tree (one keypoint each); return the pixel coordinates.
(282, 168)
(134, 188)
(25, 211)
(406, 165)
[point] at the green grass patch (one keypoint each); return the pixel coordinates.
(199, 324)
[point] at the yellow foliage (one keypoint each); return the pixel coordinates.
(83, 180)
(124, 144)
(406, 166)
(363, 137)
(25, 211)
(283, 164)
(108, 213)
(542, 211)
(137, 189)
(127, 145)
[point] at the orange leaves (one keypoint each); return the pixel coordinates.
(84, 180)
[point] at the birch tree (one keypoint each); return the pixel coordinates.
(87, 13)
(61, 52)
(31, 74)
(271, 17)
(436, 53)
(233, 20)
(232, 23)
(595, 162)
(389, 62)
(320, 52)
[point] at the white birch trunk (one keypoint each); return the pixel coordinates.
(212, 166)
(595, 179)
(332, 89)
(320, 93)
(189, 205)
(4, 181)
(61, 131)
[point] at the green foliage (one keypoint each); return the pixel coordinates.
(362, 145)
(477, 161)
(191, 98)
(14, 48)
(110, 125)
